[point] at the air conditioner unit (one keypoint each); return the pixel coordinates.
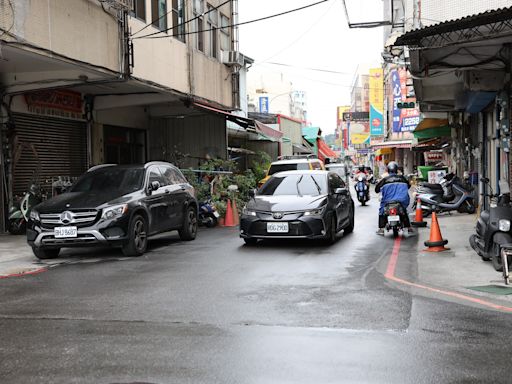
(232, 58)
(120, 4)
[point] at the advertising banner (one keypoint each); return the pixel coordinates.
(263, 104)
(376, 101)
(342, 127)
(358, 126)
(406, 119)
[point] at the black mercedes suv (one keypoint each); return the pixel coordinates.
(118, 205)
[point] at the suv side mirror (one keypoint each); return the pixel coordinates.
(154, 186)
(341, 191)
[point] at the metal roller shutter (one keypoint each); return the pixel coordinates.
(61, 147)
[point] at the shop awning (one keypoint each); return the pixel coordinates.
(240, 120)
(384, 151)
(430, 128)
(300, 149)
(241, 150)
(324, 150)
(393, 144)
(268, 132)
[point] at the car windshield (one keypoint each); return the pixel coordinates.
(274, 168)
(296, 185)
(339, 169)
(104, 180)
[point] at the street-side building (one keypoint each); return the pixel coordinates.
(87, 82)
(460, 73)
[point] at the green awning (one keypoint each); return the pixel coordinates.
(430, 133)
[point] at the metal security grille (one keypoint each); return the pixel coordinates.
(48, 147)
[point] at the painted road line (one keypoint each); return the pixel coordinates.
(20, 274)
(390, 275)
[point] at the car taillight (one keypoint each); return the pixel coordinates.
(392, 211)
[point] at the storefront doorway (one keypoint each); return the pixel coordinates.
(124, 145)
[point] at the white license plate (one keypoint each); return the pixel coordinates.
(65, 232)
(277, 227)
(216, 214)
(393, 219)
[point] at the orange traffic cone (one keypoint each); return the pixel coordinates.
(236, 216)
(228, 220)
(418, 221)
(436, 242)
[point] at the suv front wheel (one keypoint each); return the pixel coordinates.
(138, 241)
(189, 229)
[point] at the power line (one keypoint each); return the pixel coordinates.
(150, 36)
(178, 25)
(297, 39)
(308, 68)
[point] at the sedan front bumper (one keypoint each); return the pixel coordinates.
(298, 228)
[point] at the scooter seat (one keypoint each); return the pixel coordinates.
(432, 186)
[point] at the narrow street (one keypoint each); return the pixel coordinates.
(215, 310)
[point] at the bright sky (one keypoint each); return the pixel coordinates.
(317, 37)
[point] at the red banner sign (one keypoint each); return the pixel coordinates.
(53, 101)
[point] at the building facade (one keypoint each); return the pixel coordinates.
(87, 82)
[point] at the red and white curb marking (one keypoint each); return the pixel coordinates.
(390, 275)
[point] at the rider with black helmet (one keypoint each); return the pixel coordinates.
(394, 187)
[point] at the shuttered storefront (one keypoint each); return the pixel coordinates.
(58, 145)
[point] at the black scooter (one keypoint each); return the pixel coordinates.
(493, 230)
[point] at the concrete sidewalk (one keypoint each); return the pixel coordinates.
(16, 257)
(460, 267)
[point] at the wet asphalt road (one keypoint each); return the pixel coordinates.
(216, 311)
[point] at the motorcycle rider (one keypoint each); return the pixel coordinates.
(394, 187)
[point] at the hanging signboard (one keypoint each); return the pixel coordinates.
(376, 92)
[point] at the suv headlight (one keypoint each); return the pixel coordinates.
(34, 215)
(315, 212)
(248, 212)
(504, 225)
(114, 211)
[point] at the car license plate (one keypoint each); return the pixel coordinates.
(65, 232)
(277, 227)
(393, 219)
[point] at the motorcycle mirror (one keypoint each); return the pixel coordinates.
(252, 193)
(484, 179)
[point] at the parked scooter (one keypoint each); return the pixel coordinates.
(493, 228)
(362, 189)
(208, 215)
(450, 195)
(395, 212)
(19, 211)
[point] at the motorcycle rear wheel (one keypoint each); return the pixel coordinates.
(17, 226)
(395, 232)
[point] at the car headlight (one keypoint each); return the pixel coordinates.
(248, 212)
(504, 225)
(34, 215)
(315, 212)
(115, 211)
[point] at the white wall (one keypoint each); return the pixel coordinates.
(78, 29)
